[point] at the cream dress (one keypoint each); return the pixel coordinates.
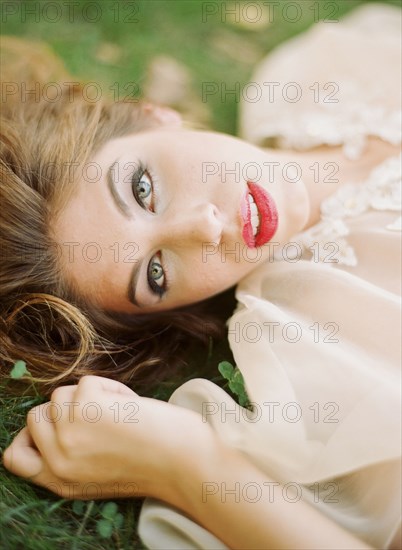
(318, 341)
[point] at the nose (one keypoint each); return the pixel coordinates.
(189, 226)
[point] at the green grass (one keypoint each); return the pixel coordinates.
(212, 50)
(31, 517)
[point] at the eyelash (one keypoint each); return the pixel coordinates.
(136, 178)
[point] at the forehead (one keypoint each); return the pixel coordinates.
(85, 231)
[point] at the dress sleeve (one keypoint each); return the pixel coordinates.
(335, 84)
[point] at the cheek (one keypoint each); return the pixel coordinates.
(219, 273)
(201, 281)
(232, 263)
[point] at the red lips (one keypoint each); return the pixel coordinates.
(267, 212)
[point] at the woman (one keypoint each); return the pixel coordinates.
(321, 390)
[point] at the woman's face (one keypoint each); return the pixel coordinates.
(156, 221)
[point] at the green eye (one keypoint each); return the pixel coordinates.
(144, 188)
(156, 272)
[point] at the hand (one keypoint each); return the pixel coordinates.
(99, 439)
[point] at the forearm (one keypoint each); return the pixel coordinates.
(214, 493)
(169, 454)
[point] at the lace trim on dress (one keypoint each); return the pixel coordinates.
(381, 191)
(329, 124)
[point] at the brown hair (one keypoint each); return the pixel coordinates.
(43, 321)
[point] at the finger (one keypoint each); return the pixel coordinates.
(41, 425)
(22, 458)
(63, 393)
(93, 383)
(62, 403)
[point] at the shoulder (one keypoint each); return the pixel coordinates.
(318, 87)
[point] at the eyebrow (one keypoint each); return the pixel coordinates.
(125, 210)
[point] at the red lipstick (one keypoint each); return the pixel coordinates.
(267, 213)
